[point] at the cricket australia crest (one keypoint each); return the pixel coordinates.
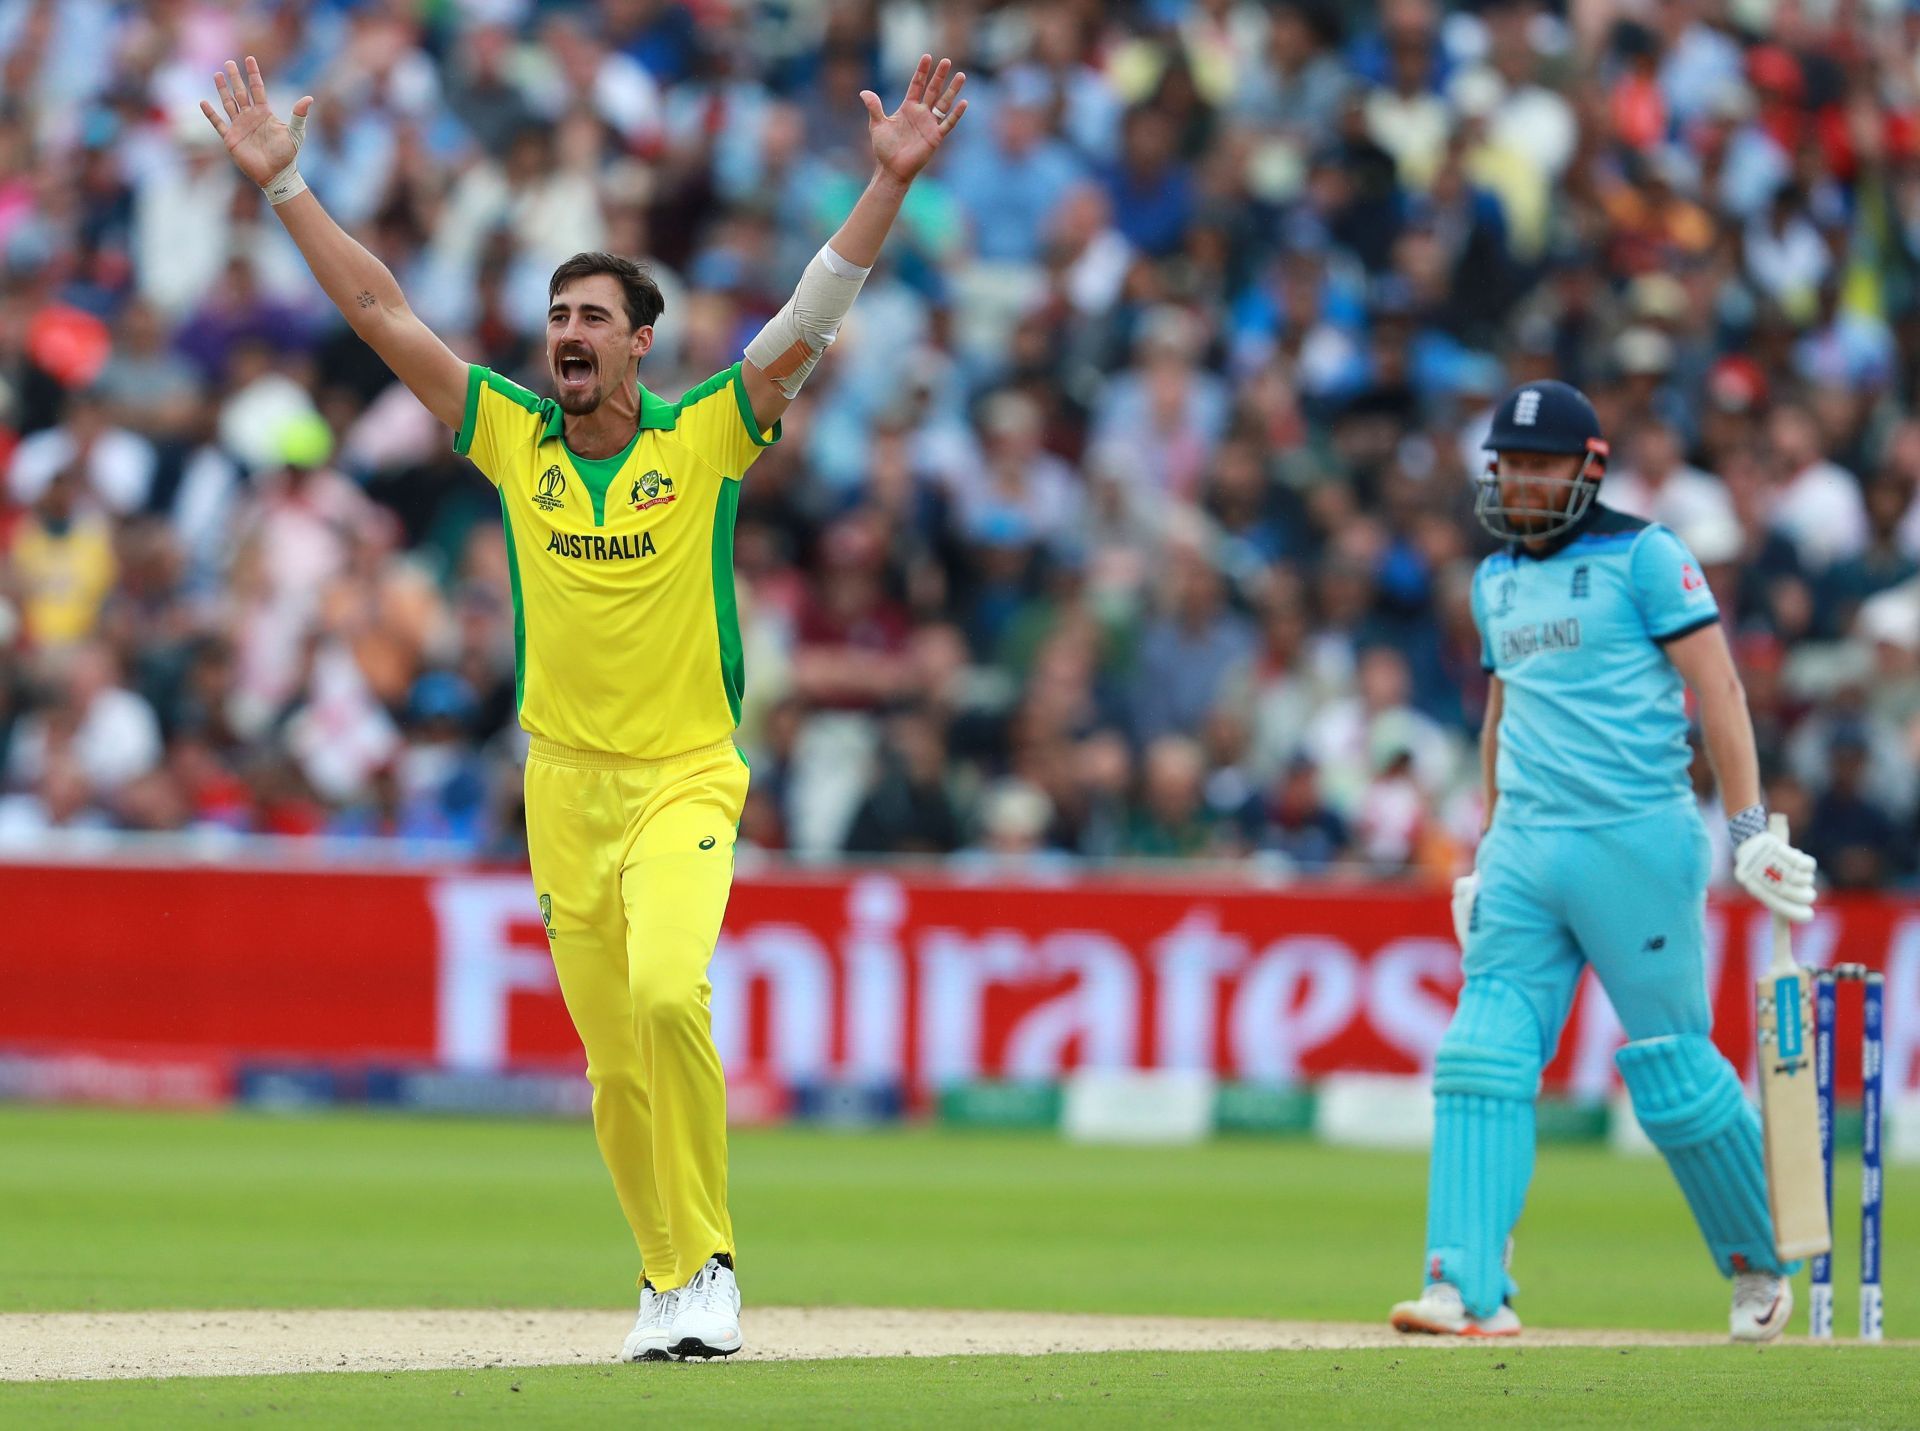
(651, 489)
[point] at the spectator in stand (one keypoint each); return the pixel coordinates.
(1817, 503)
(1301, 89)
(1405, 116)
(94, 730)
(1170, 819)
(1009, 181)
(1022, 488)
(1301, 826)
(1857, 843)
(1188, 652)
(1158, 428)
(113, 467)
(1375, 736)
(441, 779)
(1013, 822)
(852, 634)
(60, 565)
(907, 809)
(1658, 484)
(1152, 186)
(1156, 425)
(1881, 565)
(1390, 814)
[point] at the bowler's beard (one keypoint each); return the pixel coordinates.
(580, 404)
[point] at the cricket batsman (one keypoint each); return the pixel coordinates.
(619, 509)
(1593, 625)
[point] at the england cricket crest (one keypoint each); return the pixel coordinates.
(651, 489)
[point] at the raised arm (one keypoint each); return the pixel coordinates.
(784, 352)
(263, 147)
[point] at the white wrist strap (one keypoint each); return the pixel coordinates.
(842, 268)
(287, 182)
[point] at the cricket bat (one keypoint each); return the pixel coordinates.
(1789, 1110)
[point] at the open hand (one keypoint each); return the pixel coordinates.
(259, 143)
(905, 141)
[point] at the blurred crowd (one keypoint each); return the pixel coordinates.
(1131, 514)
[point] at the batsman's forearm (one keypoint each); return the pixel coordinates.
(360, 285)
(858, 240)
(1727, 728)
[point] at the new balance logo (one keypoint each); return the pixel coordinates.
(1526, 408)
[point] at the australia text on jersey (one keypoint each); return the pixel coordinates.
(587, 546)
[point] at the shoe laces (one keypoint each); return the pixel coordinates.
(664, 1305)
(708, 1289)
(1754, 1291)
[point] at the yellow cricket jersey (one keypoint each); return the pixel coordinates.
(65, 577)
(626, 633)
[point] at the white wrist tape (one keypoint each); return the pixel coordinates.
(287, 182)
(795, 337)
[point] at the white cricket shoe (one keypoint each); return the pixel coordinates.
(707, 1323)
(1762, 1306)
(648, 1339)
(1438, 1311)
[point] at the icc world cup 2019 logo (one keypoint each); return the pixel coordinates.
(1503, 597)
(551, 489)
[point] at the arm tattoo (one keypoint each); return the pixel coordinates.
(364, 298)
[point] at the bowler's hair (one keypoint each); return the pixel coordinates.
(644, 302)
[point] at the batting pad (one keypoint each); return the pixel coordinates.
(1485, 1076)
(1688, 1100)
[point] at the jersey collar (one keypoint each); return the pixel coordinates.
(656, 413)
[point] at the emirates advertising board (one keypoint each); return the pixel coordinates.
(914, 981)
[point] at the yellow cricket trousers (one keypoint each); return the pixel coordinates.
(633, 861)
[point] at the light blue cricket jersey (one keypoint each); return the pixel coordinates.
(1594, 726)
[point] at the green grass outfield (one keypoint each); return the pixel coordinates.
(1699, 1388)
(109, 1211)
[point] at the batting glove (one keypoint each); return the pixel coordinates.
(1777, 875)
(1466, 889)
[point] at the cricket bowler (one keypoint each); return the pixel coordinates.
(619, 510)
(1593, 625)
